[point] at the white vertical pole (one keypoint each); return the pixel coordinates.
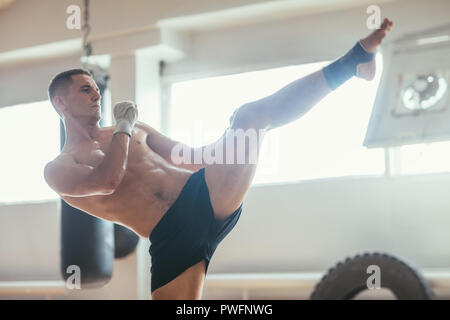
(148, 89)
(136, 78)
(123, 78)
(143, 264)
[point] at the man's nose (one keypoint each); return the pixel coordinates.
(96, 96)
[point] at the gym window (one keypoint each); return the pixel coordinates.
(324, 143)
(29, 135)
(424, 158)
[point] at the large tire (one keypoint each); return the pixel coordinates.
(347, 279)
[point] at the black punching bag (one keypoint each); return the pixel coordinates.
(87, 242)
(125, 241)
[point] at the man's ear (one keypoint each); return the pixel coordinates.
(59, 103)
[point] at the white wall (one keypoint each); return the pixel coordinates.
(311, 225)
(292, 227)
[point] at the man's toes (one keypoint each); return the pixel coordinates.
(389, 26)
(384, 24)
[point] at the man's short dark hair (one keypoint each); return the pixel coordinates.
(62, 81)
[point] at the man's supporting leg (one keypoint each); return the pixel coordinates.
(187, 286)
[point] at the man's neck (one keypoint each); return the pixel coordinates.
(78, 132)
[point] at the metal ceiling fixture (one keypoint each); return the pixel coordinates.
(86, 30)
(101, 75)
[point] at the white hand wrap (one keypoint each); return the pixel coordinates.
(125, 114)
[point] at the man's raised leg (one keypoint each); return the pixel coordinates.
(228, 183)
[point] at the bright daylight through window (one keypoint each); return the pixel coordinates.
(326, 142)
(29, 136)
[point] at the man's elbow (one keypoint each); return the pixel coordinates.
(107, 191)
(112, 184)
(96, 189)
(110, 187)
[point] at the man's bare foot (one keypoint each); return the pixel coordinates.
(371, 44)
(373, 40)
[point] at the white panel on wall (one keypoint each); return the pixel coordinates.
(413, 102)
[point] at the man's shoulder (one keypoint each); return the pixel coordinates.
(145, 127)
(54, 167)
(63, 157)
(141, 125)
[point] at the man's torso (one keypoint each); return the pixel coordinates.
(149, 187)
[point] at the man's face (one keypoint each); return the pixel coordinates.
(83, 98)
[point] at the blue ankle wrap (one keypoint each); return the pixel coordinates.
(345, 67)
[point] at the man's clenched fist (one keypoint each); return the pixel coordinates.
(125, 113)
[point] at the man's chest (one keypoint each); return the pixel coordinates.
(94, 152)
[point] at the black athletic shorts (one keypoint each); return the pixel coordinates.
(187, 233)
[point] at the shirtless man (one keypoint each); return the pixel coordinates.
(126, 173)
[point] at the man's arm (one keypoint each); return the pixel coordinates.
(69, 178)
(163, 146)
